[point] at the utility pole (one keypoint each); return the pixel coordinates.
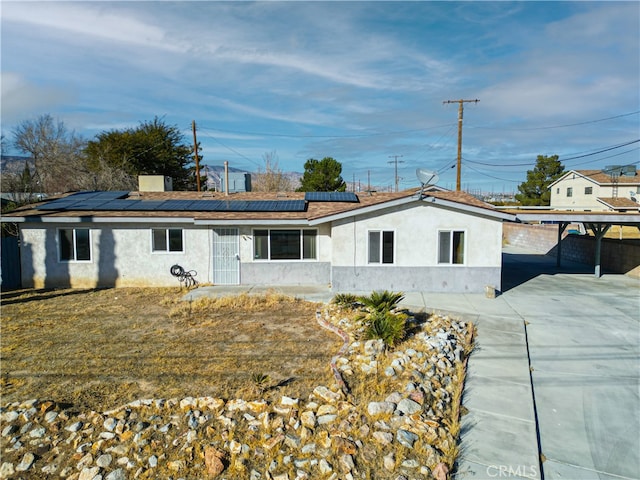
(460, 110)
(395, 157)
(195, 152)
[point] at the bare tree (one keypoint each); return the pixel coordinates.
(56, 153)
(271, 179)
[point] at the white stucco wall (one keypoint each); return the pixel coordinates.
(416, 266)
(578, 200)
(416, 229)
(121, 255)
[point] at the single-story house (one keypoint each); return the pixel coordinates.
(614, 189)
(439, 241)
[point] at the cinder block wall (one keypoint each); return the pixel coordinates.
(622, 256)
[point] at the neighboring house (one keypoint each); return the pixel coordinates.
(612, 189)
(435, 241)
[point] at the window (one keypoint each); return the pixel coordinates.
(569, 191)
(167, 240)
(588, 190)
(558, 190)
(451, 247)
(380, 246)
(75, 244)
(284, 244)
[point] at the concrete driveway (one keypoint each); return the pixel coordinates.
(556, 373)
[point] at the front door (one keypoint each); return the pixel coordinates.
(226, 258)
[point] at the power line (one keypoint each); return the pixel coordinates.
(235, 151)
(287, 135)
(395, 157)
(560, 126)
(604, 149)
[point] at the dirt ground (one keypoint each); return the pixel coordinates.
(97, 349)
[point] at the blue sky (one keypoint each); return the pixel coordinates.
(357, 81)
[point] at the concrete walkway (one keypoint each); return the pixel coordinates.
(555, 371)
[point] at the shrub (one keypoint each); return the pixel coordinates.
(386, 326)
(382, 301)
(345, 299)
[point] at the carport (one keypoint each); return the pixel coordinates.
(598, 222)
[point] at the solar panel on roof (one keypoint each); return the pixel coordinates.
(330, 197)
(176, 205)
(118, 205)
(149, 205)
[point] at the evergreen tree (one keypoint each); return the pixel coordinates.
(535, 190)
(152, 148)
(322, 176)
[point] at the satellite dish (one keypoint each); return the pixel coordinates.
(426, 178)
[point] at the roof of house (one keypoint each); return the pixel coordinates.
(601, 178)
(619, 203)
(311, 210)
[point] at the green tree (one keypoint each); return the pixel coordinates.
(535, 190)
(322, 176)
(152, 148)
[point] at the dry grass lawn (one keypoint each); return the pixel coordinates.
(97, 349)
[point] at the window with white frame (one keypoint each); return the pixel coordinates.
(569, 191)
(167, 240)
(588, 190)
(451, 247)
(381, 246)
(284, 244)
(75, 244)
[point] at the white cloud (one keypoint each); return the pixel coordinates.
(21, 98)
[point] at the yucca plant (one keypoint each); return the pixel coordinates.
(345, 299)
(260, 381)
(386, 326)
(382, 301)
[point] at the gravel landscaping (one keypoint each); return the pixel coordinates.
(396, 414)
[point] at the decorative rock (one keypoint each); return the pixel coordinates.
(389, 461)
(347, 463)
(411, 463)
(345, 446)
(389, 372)
(50, 416)
(104, 460)
(325, 467)
(327, 395)
(89, 473)
(394, 397)
(292, 441)
(213, 461)
(74, 427)
(380, 408)
(288, 401)
(6, 470)
(383, 438)
(308, 419)
(26, 462)
(110, 424)
(326, 410)
(116, 475)
(153, 461)
(408, 407)
(176, 465)
(9, 430)
(324, 419)
(406, 438)
(309, 449)
(440, 472)
(188, 402)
